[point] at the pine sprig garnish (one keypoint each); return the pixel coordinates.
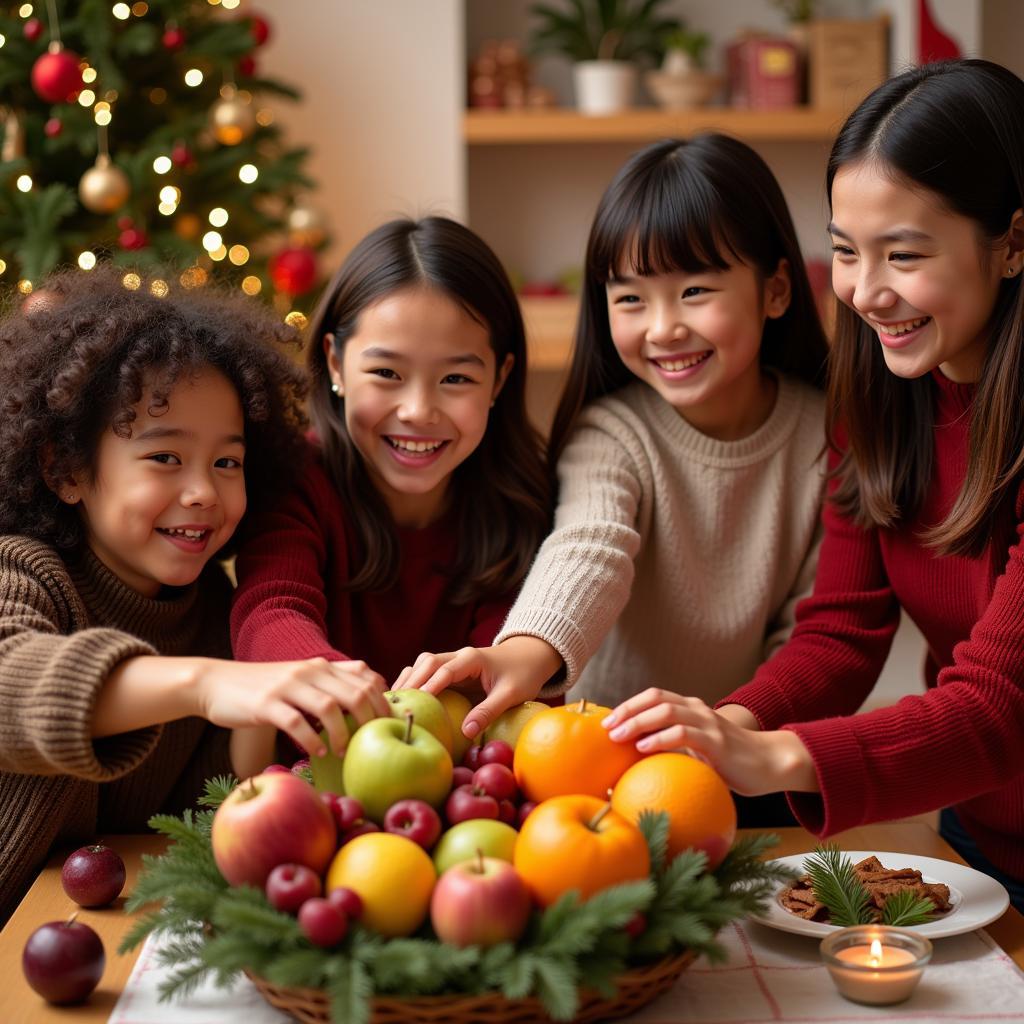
(217, 790)
(837, 885)
(905, 909)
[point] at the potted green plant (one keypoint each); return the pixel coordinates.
(681, 81)
(604, 38)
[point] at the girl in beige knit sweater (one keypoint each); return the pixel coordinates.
(133, 431)
(688, 445)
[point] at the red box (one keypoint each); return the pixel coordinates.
(764, 72)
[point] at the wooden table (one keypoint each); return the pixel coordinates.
(46, 901)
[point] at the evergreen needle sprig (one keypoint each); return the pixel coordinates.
(212, 931)
(837, 885)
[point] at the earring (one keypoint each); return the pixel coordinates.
(71, 497)
(1010, 271)
(335, 389)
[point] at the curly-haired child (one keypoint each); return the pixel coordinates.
(134, 430)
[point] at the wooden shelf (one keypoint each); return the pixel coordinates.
(550, 326)
(547, 126)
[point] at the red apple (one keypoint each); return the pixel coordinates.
(415, 820)
(462, 776)
(496, 780)
(270, 820)
(271, 768)
(360, 828)
(290, 885)
(480, 902)
(346, 810)
(469, 802)
(93, 876)
(347, 900)
(471, 758)
(524, 812)
(323, 922)
(507, 812)
(63, 961)
(497, 752)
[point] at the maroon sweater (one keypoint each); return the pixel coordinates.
(959, 743)
(292, 601)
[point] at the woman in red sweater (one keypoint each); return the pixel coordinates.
(926, 430)
(424, 495)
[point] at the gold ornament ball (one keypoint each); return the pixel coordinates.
(232, 119)
(307, 226)
(187, 226)
(104, 188)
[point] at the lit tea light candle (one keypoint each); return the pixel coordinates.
(875, 964)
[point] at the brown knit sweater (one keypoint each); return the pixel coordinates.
(65, 623)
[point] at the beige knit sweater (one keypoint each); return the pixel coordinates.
(63, 628)
(676, 560)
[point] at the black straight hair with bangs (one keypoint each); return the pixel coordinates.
(953, 130)
(501, 492)
(692, 206)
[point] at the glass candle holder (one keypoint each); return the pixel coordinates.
(875, 964)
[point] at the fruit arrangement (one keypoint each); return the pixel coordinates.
(543, 862)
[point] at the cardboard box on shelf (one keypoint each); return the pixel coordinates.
(764, 72)
(847, 59)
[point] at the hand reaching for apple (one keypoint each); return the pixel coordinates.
(510, 673)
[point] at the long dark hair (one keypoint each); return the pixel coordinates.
(501, 492)
(955, 128)
(690, 206)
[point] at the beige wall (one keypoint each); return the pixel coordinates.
(383, 92)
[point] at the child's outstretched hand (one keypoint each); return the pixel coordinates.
(751, 762)
(513, 671)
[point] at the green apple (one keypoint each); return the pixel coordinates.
(428, 712)
(509, 724)
(457, 705)
(461, 842)
(389, 760)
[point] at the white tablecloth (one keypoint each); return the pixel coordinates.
(770, 978)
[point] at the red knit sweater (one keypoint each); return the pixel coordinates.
(291, 600)
(959, 743)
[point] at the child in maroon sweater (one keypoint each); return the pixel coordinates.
(424, 496)
(926, 183)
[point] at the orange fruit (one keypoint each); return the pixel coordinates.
(578, 842)
(566, 750)
(700, 808)
(394, 877)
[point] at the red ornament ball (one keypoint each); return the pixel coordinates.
(57, 77)
(293, 271)
(53, 127)
(124, 223)
(173, 38)
(260, 29)
(247, 66)
(133, 238)
(181, 155)
(33, 29)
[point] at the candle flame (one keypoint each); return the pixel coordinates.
(876, 952)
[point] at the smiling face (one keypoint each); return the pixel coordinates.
(160, 503)
(919, 275)
(418, 376)
(696, 338)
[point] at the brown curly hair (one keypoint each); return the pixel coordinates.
(80, 352)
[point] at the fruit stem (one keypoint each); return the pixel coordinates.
(248, 794)
(583, 706)
(479, 861)
(71, 920)
(599, 817)
(409, 717)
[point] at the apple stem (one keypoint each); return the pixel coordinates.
(248, 794)
(409, 718)
(599, 817)
(479, 861)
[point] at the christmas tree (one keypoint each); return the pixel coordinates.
(139, 133)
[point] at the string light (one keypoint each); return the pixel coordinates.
(3, 39)
(296, 319)
(132, 282)
(212, 240)
(162, 164)
(3, 267)
(24, 183)
(86, 98)
(229, 5)
(252, 285)
(141, 9)
(87, 260)
(248, 173)
(170, 194)
(239, 255)
(103, 116)
(157, 96)
(193, 77)
(219, 253)
(218, 217)
(159, 288)
(121, 11)
(25, 10)
(264, 117)
(88, 75)
(167, 208)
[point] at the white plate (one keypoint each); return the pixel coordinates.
(977, 899)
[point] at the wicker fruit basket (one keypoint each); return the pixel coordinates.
(636, 988)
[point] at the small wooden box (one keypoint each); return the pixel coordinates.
(764, 72)
(846, 59)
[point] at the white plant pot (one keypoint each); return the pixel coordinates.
(604, 86)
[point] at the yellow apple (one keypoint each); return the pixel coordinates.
(509, 724)
(457, 707)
